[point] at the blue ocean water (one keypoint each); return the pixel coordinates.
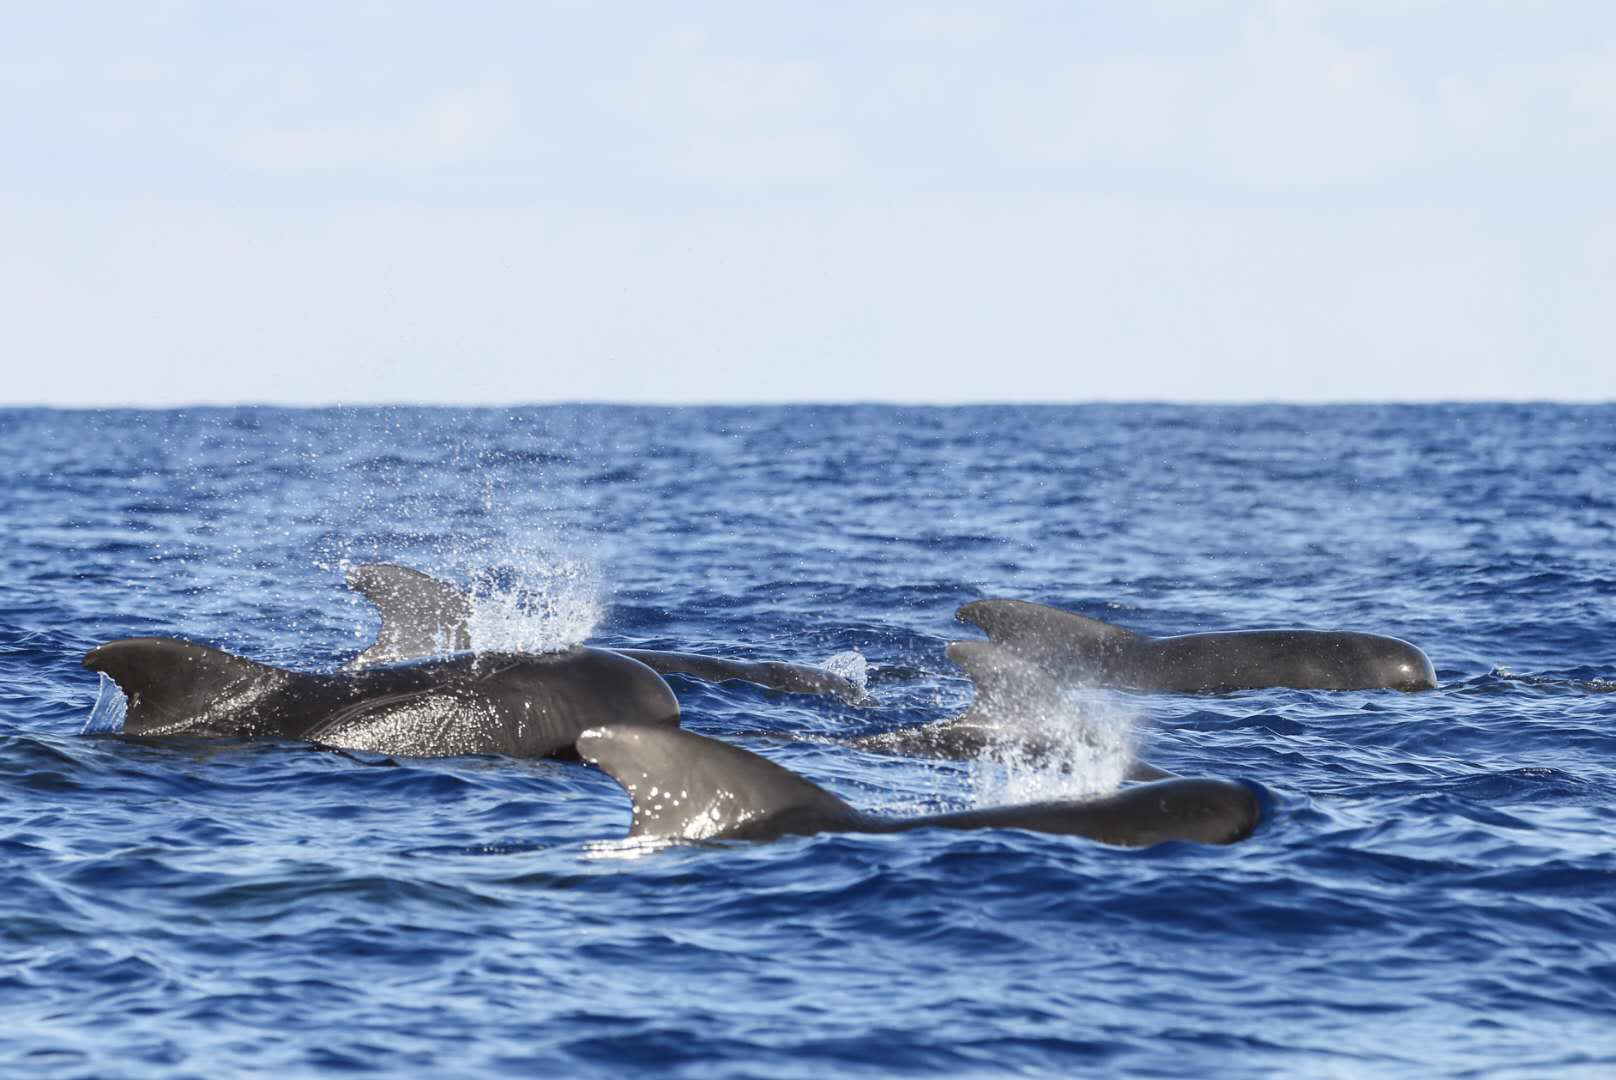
(1432, 891)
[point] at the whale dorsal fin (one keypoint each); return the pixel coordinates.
(1007, 684)
(421, 616)
(180, 688)
(1031, 627)
(688, 787)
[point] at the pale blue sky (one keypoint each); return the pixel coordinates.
(393, 201)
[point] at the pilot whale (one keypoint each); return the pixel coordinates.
(485, 703)
(1094, 653)
(423, 615)
(688, 787)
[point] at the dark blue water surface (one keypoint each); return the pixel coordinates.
(1433, 889)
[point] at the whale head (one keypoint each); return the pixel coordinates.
(1404, 666)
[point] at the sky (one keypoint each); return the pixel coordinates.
(377, 202)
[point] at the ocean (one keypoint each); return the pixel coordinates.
(1432, 890)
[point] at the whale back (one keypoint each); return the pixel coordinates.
(1072, 645)
(773, 674)
(489, 703)
(1298, 658)
(515, 704)
(1078, 649)
(181, 688)
(688, 787)
(1205, 811)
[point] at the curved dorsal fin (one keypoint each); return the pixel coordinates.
(688, 787)
(177, 687)
(1007, 684)
(421, 616)
(1039, 628)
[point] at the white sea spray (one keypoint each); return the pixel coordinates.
(108, 713)
(850, 665)
(1078, 744)
(544, 605)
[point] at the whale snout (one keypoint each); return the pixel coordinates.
(1415, 680)
(1412, 671)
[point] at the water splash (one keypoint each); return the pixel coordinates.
(542, 607)
(626, 848)
(1076, 745)
(850, 665)
(525, 597)
(109, 711)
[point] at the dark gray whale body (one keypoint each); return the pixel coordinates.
(614, 710)
(686, 787)
(488, 703)
(417, 690)
(1095, 653)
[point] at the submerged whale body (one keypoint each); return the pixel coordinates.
(422, 616)
(487, 703)
(1009, 691)
(1018, 705)
(687, 787)
(1096, 653)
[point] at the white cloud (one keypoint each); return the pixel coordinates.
(305, 149)
(751, 160)
(1304, 109)
(1046, 300)
(460, 124)
(457, 125)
